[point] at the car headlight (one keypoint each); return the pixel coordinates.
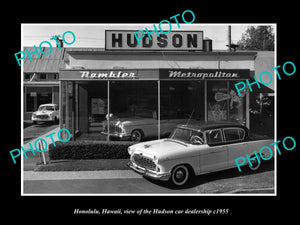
(155, 160)
(157, 169)
(130, 150)
(121, 128)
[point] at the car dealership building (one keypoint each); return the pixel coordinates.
(177, 76)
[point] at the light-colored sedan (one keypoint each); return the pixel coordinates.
(46, 113)
(194, 150)
(140, 125)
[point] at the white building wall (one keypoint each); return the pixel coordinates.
(161, 60)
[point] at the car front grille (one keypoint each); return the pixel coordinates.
(42, 116)
(143, 162)
(112, 129)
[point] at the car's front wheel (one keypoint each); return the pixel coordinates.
(180, 175)
(136, 135)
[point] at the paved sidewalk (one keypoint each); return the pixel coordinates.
(79, 175)
(128, 182)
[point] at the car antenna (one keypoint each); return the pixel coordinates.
(190, 117)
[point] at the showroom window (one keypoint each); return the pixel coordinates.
(217, 100)
(237, 104)
(135, 104)
(142, 110)
(223, 103)
(181, 102)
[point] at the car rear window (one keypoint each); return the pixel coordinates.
(234, 134)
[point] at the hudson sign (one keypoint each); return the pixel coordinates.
(173, 41)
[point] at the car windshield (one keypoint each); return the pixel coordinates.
(188, 136)
(46, 108)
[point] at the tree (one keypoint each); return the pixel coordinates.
(257, 38)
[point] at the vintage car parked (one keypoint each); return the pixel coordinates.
(141, 124)
(194, 150)
(46, 113)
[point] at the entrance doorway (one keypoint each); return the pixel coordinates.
(92, 106)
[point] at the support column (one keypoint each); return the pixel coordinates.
(158, 108)
(247, 108)
(205, 100)
(73, 111)
(108, 111)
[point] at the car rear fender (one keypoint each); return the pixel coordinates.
(258, 147)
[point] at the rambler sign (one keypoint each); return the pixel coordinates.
(201, 74)
(112, 74)
(173, 41)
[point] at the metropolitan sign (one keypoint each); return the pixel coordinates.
(173, 41)
(201, 74)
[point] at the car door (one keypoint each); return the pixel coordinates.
(234, 138)
(215, 156)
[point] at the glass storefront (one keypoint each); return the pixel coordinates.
(141, 110)
(91, 105)
(237, 105)
(181, 102)
(223, 102)
(217, 100)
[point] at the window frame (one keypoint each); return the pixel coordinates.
(237, 140)
(217, 143)
(40, 75)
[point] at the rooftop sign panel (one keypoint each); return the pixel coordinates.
(173, 41)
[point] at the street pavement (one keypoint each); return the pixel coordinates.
(32, 132)
(128, 182)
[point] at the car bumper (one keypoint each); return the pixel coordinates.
(117, 136)
(41, 120)
(148, 173)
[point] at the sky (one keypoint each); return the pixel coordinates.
(93, 35)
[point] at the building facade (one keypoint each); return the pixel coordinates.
(41, 79)
(149, 88)
(174, 85)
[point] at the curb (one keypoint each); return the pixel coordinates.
(80, 175)
(252, 190)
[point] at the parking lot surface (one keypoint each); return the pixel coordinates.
(32, 131)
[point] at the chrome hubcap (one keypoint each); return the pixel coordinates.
(179, 175)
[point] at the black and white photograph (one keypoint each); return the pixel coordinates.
(145, 109)
(183, 111)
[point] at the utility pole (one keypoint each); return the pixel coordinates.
(60, 40)
(229, 38)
